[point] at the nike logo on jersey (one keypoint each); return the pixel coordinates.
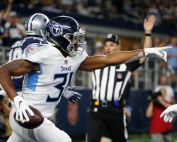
(31, 48)
(65, 68)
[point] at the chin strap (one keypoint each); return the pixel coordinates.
(140, 55)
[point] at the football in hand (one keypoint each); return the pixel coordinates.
(34, 121)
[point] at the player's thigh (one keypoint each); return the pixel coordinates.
(18, 130)
(48, 132)
(15, 138)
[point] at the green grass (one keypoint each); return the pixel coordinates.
(139, 138)
(147, 138)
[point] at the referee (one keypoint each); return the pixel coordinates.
(106, 110)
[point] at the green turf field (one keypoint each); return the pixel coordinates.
(139, 138)
(147, 138)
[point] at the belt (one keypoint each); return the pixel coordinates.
(99, 103)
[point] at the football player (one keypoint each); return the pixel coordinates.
(35, 28)
(35, 31)
(48, 70)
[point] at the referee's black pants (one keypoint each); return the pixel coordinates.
(110, 118)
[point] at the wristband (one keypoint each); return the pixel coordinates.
(146, 34)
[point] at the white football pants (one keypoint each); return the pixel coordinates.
(46, 132)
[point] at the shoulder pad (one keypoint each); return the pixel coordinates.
(33, 48)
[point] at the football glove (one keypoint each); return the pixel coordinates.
(71, 95)
(21, 107)
(169, 113)
(157, 52)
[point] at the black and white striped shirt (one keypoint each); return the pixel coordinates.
(109, 83)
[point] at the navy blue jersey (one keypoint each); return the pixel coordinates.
(16, 52)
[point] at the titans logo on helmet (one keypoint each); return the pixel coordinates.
(55, 28)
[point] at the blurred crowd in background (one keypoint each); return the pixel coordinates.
(136, 10)
(12, 25)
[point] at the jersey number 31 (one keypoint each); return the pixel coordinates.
(61, 86)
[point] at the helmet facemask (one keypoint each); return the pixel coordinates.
(77, 43)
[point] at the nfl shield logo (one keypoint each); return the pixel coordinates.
(72, 113)
(109, 35)
(65, 62)
(119, 75)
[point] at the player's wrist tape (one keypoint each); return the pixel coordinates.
(148, 34)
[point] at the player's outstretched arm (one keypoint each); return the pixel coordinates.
(100, 61)
(17, 68)
(169, 113)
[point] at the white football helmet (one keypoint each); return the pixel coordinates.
(36, 25)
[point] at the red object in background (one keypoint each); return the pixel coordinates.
(73, 113)
(157, 124)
